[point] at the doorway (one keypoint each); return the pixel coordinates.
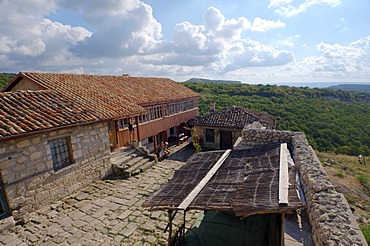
(226, 140)
(4, 210)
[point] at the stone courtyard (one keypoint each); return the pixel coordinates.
(107, 212)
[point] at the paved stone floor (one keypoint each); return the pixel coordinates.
(107, 212)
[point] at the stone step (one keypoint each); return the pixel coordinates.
(134, 169)
(134, 161)
(146, 166)
(120, 160)
(123, 151)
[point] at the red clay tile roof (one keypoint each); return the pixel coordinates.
(24, 112)
(234, 117)
(113, 96)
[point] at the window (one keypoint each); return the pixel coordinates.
(157, 112)
(125, 122)
(210, 135)
(150, 114)
(120, 123)
(60, 153)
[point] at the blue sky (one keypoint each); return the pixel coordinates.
(259, 41)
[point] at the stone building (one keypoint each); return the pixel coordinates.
(57, 130)
(49, 147)
(158, 107)
(220, 130)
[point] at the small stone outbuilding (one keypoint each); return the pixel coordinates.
(220, 130)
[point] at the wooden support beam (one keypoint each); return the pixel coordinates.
(283, 174)
(194, 193)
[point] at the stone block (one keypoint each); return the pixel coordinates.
(36, 140)
(36, 155)
(41, 196)
(23, 143)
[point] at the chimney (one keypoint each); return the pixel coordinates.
(212, 106)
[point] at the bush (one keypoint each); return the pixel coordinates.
(366, 231)
(364, 181)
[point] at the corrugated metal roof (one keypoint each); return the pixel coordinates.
(234, 117)
(24, 112)
(247, 183)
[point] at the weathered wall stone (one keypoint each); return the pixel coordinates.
(265, 136)
(27, 169)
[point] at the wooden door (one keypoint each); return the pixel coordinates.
(226, 140)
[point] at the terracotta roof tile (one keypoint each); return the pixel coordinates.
(113, 96)
(234, 117)
(25, 112)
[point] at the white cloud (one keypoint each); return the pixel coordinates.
(28, 39)
(261, 25)
(285, 8)
(249, 53)
(125, 37)
(124, 28)
(337, 61)
(218, 44)
(277, 3)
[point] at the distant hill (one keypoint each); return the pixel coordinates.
(194, 80)
(5, 78)
(351, 87)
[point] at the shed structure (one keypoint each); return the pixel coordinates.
(220, 130)
(247, 183)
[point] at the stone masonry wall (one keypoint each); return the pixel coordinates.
(265, 136)
(27, 169)
(330, 217)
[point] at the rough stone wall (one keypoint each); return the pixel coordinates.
(27, 169)
(330, 217)
(265, 136)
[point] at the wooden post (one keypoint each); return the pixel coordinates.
(137, 128)
(170, 227)
(116, 130)
(282, 236)
(283, 175)
(155, 144)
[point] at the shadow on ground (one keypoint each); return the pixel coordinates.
(183, 154)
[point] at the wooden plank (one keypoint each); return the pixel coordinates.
(283, 174)
(194, 193)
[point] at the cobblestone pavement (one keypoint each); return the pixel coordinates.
(108, 212)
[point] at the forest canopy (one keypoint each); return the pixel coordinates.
(333, 120)
(5, 78)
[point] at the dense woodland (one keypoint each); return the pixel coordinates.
(333, 120)
(5, 78)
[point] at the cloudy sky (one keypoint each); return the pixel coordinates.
(255, 41)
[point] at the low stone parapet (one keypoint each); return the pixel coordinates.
(330, 217)
(265, 136)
